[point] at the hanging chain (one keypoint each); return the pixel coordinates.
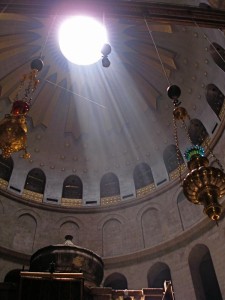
(48, 35)
(157, 52)
(214, 156)
(179, 161)
(28, 85)
(184, 125)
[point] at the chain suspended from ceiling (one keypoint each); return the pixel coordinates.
(204, 185)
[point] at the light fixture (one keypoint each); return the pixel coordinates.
(13, 128)
(106, 50)
(203, 184)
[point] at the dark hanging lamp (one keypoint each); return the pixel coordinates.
(106, 50)
(203, 184)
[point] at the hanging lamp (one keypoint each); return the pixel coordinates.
(13, 128)
(203, 184)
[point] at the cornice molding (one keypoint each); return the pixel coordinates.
(156, 12)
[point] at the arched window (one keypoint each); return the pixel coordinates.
(69, 228)
(116, 281)
(157, 274)
(6, 167)
(109, 185)
(197, 132)
(203, 274)
(170, 158)
(151, 227)
(218, 54)
(35, 181)
(13, 276)
(142, 176)
(215, 98)
(24, 235)
(112, 236)
(72, 188)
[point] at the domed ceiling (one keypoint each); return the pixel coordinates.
(90, 120)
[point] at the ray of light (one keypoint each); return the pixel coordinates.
(80, 96)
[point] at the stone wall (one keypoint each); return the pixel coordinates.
(131, 237)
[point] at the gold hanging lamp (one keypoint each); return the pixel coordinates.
(203, 184)
(13, 128)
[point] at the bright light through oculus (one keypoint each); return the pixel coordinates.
(81, 40)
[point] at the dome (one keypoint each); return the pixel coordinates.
(84, 130)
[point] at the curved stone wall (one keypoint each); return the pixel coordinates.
(131, 237)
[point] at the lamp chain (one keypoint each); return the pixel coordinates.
(48, 35)
(6, 7)
(214, 156)
(186, 130)
(177, 149)
(157, 51)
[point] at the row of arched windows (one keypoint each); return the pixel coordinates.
(73, 186)
(109, 184)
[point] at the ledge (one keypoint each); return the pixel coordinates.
(157, 12)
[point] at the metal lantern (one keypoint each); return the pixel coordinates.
(13, 128)
(203, 184)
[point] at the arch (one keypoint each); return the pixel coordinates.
(189, 212)
(197, 132)
(112, 238)
(170, 158)
(35, 181)
(13, 276)
(72, 188)
(69, 228)
(70, 218)
(25, 231)
(116, 281)
(151, 227)
(12, 279)
(218, 55)
(34, 214)
(120, 218)
(203, 274)
(6, 168)
(1, 208)
(142, 176)
(109, 185)
(215, 98)
(157, 274)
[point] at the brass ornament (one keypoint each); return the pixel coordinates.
(13, 135)
(204, 185)
(13, 128)
(180, 113)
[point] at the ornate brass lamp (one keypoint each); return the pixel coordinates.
(203, 184)
(13, 128)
